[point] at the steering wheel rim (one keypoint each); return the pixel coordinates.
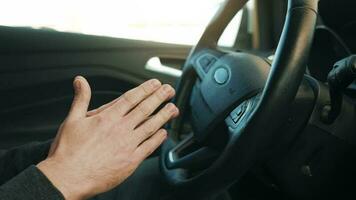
(255, 134)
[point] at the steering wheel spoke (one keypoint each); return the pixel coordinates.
(188, 154)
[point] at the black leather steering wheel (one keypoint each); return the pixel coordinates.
(235, 101)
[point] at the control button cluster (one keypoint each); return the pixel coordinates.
(239, 112)
(206, 61)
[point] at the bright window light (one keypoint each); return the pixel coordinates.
(170, 21)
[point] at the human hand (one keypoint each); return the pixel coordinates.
(97, 150)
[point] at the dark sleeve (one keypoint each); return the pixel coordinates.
(30, 184)
(20, 179)
(15, 160)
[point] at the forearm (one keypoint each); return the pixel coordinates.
(30, 184)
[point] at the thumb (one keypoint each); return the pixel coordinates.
(82, 94)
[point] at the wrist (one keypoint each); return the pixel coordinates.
(65, 179)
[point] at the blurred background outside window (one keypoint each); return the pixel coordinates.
(168, 21)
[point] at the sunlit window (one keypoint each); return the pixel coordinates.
(170, 21)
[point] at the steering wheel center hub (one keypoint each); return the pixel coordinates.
(232, 79)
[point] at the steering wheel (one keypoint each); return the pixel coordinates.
(236, 102)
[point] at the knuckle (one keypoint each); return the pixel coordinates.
(160, 95)
(157, 121)
(146, 89)
(81, 96)
(162, 117)
(167, 113)
(128, 100)
(149, 128)
(98, 119)
(144, 109)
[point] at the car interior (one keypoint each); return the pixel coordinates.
(262, 119)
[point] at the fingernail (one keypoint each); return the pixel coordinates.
(171, 108)
(155, 83)
(172, 93)
(77, 84)
(165, 133)
(167, 89)
(165, 136)
(176, 114)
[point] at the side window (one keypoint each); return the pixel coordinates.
(169, 21)
(228, 38)
(239, 30)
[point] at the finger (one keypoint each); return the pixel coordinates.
(148, 118)
(101, 108)
(149, 105)
(130, 99)
(82, 95)
(150, 145)
(156, 122)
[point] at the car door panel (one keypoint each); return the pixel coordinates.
(37, 68)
